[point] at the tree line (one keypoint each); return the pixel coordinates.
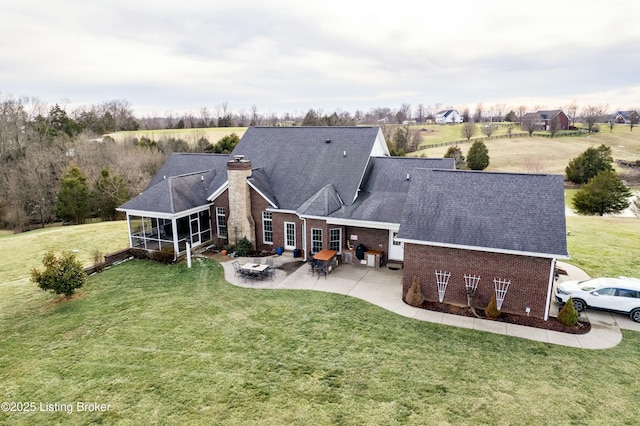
(55, 167)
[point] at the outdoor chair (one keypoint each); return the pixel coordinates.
(313, 264)
(257, 260)
(270, 272)
(269, 262)
(321, 269)
(239, 271)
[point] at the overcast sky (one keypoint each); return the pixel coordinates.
(289, 56)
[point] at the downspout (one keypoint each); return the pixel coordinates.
(304, 237)
(549, 289)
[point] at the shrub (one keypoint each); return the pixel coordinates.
(139, 253)
(492, 308)
(166, 255)
(244, 248)
(414, 295)
(61, 275)
(568, 315)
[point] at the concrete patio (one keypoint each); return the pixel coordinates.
(383, 287)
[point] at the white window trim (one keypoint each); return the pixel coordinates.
(218, 215)
(339, 238)
(313, 240)
(264, 232)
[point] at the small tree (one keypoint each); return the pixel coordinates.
(589, 163)
(61, 275)
(73, 198)
(568, 315)
(529, 125)
(414, 295)
(489, 129)
(478, 156)
(456, 153)
(468, 130)
(491, 310)
(604, 193)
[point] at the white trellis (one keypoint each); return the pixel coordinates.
(442, 277)
(471, 284)
(501, 287)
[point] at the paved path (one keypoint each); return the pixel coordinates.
(383, 287)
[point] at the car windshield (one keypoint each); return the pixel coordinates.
(588, 285)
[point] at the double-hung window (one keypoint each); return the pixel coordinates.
(267, 228)
(221, 220)
(316, 240)
(335, 239)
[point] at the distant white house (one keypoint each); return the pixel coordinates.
(449, 116)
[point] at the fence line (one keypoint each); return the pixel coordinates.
(503, 136)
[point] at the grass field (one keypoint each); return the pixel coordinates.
(541, 154)
(170, 345)
(191, 136)
(19, 253)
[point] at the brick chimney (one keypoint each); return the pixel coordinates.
(241, 222)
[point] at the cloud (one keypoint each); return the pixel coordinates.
(286, 55)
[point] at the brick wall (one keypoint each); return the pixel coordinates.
(221, 201)
(529, 276)
(372, 239)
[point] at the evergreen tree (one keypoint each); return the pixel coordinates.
(604, 193)
(109, 192)
(73, 198)
(456, 153)
(589, 163)
(478, 156)
(568, 314)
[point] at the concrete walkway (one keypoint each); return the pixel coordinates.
(383, 287)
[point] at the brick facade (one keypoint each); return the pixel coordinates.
(529, 276)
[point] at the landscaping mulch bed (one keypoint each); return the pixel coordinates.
(551, 324)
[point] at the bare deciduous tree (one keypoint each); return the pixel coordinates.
(468, 130)
(592, 114)
(572, 110)
(529, 125)
(488, 130)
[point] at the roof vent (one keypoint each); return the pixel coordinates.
(238, 157)
(408, 177)
(344, 153)
(327, 141)
(201, 178)
(164, 177)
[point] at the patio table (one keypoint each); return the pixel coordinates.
(255, 270)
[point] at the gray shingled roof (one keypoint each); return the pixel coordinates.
(184, 163)
(322, 203)
(385, 188)
(299, 162)
(506, 212)
(175, 194)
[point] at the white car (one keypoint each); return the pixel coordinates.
(609, 294)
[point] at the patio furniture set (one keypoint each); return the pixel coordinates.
(255, 270)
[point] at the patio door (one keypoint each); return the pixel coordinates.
(396, 248)
(289, 235)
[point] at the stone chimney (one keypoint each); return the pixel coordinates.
(241, 222)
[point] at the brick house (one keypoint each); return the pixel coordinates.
(304, 189)
(542, 119)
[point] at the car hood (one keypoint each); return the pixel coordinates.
(573, 286)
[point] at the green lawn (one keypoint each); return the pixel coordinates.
(20, 253)
(171, 345)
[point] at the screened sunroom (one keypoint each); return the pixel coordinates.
(171, 214)
(153, 232)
